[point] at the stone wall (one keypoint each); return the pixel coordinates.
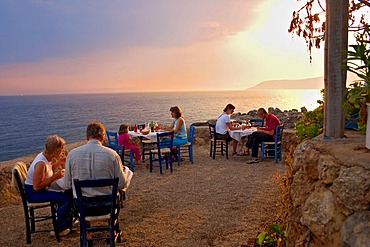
(330, 193)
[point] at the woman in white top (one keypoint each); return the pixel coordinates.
(41, 174)
(223, 124)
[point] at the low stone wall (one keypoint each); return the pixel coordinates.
(330, 193)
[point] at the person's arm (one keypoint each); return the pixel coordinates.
(167, 128)
(39, 180)
(120, 173)
(67, 178)
(231, 127)
(265, 131)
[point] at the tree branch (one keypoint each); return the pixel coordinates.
(367, 3)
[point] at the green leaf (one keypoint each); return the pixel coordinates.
(276, 228)
(261, 237)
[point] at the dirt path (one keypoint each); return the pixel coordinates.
(211, 203)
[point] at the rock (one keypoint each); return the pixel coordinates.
(328, 169)
(329, 182)
(318, 211)
(351, 188)
(356, 230)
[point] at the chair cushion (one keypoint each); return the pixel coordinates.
(38, 204)
(186, 145)
(98, 218)
(270, 143)
(163, 150)
(219, 141)
(147, 141)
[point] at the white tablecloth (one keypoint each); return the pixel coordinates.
(151, 135)
(238, 134)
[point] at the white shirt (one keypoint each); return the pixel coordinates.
(30, 173)
(221, 122)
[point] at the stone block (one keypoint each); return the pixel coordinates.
(356, 230)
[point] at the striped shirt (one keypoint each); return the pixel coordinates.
(93, 161)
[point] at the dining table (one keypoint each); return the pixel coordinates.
(151, 135)
(238, 134)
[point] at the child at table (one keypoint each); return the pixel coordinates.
(125, 140)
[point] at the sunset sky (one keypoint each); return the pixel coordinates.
(148, 45)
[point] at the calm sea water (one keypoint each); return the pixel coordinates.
(26, 121)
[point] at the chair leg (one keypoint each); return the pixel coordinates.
(171, 167)
(210, 149)
(227, 150)
(32, 219)
(178, 155)
(214, 149)
(132, 165)
(262, 151)
(160, 163)
(28, 226)
(191, 154)
(54, 208)
(151, 161)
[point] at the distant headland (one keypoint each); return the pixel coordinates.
(301, 84)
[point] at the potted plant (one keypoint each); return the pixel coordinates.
(357, 98)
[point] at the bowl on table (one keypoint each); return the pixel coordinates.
(145, 132)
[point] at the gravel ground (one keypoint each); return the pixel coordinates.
(211, 203)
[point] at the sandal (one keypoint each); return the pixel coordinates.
(252, 161)
(243, 153)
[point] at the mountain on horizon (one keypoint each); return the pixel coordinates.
(308, 83)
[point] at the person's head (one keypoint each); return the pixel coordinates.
(95, 130)
(229, 109)
(262, 113)
(176, 112)
(54, 145)
(123, 129)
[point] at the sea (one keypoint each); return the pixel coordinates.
(26, 120)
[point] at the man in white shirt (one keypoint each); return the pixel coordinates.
(223, 124)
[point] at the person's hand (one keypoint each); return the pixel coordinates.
(59, 174)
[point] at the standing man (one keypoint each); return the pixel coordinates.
(263, 134)
(94, 161)
(223, 124)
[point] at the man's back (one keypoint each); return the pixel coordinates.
(94, 161)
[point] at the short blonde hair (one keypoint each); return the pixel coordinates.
(53, 143)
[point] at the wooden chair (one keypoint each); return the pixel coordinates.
(103, 208)
(186, 150)
(30, 209)
(256, 122)
(273, 149)
(163, 152)
(125, 154)
(146, 145)
(216, 145)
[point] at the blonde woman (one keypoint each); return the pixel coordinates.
(41, 174)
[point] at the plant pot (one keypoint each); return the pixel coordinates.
(368, 126)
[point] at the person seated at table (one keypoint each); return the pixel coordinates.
(223, 125)
(41, 174)
(95, 161)
(178, 126)
(263, 134)
(125, 140)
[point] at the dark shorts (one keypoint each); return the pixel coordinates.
(224, 136)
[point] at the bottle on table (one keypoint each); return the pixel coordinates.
(152, 126)
(135, 128)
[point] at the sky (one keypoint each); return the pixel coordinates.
(86, 46)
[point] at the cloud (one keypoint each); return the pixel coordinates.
(36, 30)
